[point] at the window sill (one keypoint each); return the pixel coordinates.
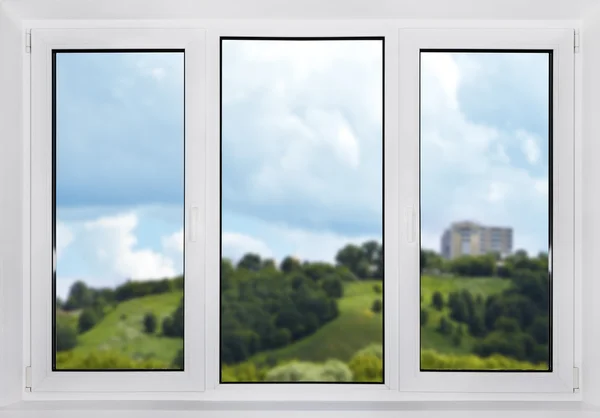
(132, 409)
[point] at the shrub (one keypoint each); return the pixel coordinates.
(178, 360)
(101, 360)
(331, 371)
(377, 306)
(431, 360)
(445, 327)
(66, 336)
(150, 322)
(87, 320)
(424, 317)
(437, 301)
(333, 287)
(366, 368)
(377, 289)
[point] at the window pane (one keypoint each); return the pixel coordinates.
(485, 211)
(119, 202)
(301, 211)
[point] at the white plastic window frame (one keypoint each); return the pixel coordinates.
(402, 379)
(560, 379)
(192, 41)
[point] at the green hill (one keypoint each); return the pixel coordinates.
(121, 330)
(430, 338)
(355, 328)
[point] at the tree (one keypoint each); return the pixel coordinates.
(333, 287)
(150, 323)
(353, 257)
(377, 306)
(290, 264)
(87, 320)
(269, 263)
(437, 301)
(80, 296)
(66, 336)
(424, 317)
(250, 262)
(173, 325)
(445, 326)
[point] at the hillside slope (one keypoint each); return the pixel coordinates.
(122, 330)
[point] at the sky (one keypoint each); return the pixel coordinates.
(301, 153)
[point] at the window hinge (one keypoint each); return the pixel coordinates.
(576, 41)
(575, 379)
(28, 379)
(28, 42)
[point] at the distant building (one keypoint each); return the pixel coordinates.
(470, 238)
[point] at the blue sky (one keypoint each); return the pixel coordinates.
(301, 153)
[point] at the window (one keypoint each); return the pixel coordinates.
(489, 136)
(118, 221)
(110, 191)
(302, 275)
(301, 213)
(484, 151)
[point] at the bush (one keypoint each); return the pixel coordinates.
(377, 289)
(424, 317)
(172, 326)
(457, 336)
(150, 323)
(66, 336)
(333, 287)
(445, 327)
(87, 320)
(331, 371)
(103, 360)
(437, 301)
(366, 368)
(178, 361)
(377, 306)
(431, 360)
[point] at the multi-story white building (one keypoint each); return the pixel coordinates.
(470, 238)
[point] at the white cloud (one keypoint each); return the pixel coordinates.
(541, 186)
(443, 67)
(235, 245)
(158, 73)
(64, 237)
(174, 242)
(497, 191)
(302, 122)
(112, 244)
(529, 146)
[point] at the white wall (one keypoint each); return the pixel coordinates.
(591, 206)
(11, 157)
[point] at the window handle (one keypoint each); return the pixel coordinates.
(411, 223)
(194, 224)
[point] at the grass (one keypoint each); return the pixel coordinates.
(355, 328)
(122, 330)
(483, 286)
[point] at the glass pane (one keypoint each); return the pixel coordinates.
(485, 210)
(119, 202)
(301, 211)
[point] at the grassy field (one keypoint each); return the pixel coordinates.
(122, 330)
(355, 328)
(430, 338)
